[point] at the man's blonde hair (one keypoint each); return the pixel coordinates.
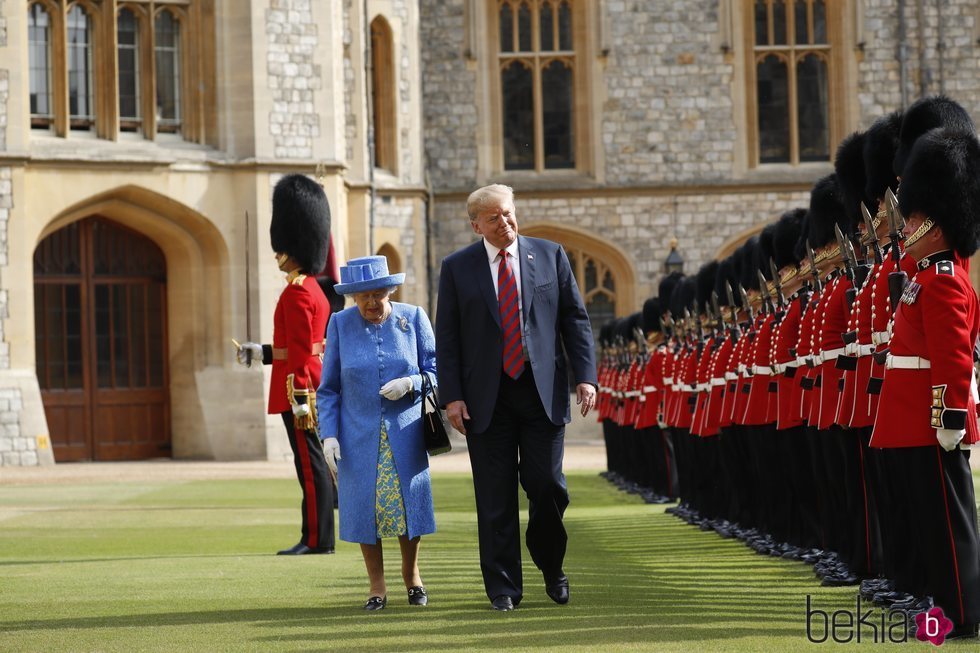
(483, 198)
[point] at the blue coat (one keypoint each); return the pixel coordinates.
(359, 358)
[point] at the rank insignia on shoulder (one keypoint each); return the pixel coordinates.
(944, 267)
(402, 323)
(910, 293)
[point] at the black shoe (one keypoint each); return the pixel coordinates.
(376, 603)
(302, 549)
(840, 580)
(502, 603)
(557, 588)
(963, 631)
(417, 596)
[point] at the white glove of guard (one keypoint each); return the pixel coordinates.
(396, 388)
(949, 438)
(331, 451)
(242, 354)
(301, 410)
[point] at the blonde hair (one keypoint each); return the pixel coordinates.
(483, 198)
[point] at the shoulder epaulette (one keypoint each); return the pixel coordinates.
(298, 280)
(944, 267)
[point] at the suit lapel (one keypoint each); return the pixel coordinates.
(526, 253)
(484, 281)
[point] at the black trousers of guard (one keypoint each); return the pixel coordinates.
(946, 545)
(315, 483)
(520, 444)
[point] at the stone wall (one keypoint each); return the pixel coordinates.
(399, 214)
(294, 78)
(15, 449)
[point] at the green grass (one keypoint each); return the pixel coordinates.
(187, 566)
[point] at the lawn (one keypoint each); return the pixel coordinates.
(187, 566)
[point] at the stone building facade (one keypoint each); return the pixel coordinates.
(400, 107)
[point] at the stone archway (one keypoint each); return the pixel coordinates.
(197, 267)
(603, 272)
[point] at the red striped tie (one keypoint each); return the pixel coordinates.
(510, 317)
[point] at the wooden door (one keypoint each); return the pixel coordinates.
(100, 328)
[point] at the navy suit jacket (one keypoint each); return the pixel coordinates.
(469, 339)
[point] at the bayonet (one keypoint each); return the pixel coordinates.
(871, 235)
(817, 285)
(848, 270)
(896, 225)
(777, 284)
(764, 291)
(745, 304)
(717, 310)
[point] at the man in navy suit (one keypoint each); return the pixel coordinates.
(507, 305)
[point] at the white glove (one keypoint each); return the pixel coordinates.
(301, 410)
(244, 349)
(949, 438)
(396, 388)
(331, 451)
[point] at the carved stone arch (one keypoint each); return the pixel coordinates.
(733, 243)
(595, 262)
(384, 98)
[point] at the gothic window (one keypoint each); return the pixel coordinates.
(81, 111)
(125, 66)
(537, 69)
(383, 95)
(790, 71)
(39, 55)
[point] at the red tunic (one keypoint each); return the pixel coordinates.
(937, 321)
(789, 393)
(716, 391)
(731, 380)
(684, 382)
(833, 324)
(744, 371)
(757, 405)
(299, 326)
(702, 385)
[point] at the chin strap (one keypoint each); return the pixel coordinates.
(926, 225)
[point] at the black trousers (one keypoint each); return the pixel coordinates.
(520, 444)
(945, 545)
(315, 483)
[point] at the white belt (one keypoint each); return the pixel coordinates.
(789, 364)
(800, 360)
(778, 368)
(643, 397)
(831, 354)
(649, 388)
(880, 337)
(668, 380)
(741, 368)
(718, 381)
(731, 376)
(701, 387)
(851, 349)
(906, 363)
(633, 393)
(865, 350)
(761, 369)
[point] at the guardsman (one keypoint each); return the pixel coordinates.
(300, 234)
(927, 413)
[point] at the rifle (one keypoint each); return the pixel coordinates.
(764, 291)
(733, 330)
(719, 321)
(897, 279)
(850, 265)
(746, 305)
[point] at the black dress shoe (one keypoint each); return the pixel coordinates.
(302, 549)
(557, 588)
(376, 603)
(417, 596)
(502, 603)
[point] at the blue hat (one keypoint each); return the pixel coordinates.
(367, 273)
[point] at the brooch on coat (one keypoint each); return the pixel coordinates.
(910, 293)
(402, 323)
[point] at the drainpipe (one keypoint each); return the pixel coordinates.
(369, 94)
(903, 56)
(940, 45)
(925, 74)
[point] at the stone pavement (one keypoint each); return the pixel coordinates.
(579, 455)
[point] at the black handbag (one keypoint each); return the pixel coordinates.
(433, 422)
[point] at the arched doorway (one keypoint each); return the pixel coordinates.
(101, 342)
(394, 265)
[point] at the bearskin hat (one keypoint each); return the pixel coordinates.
(727, 276)
(767, 248)
(826, 210)
(606, 333)
(683, 297)
(942, 180)
(799, 251)
(301, 222)
(787, 234)
(749, 262)
(706, 284)
(925, 114)
(880, 145)
(849, 169)
(666, 289)
(651, 315)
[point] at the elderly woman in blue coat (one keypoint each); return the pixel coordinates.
(369, 406)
